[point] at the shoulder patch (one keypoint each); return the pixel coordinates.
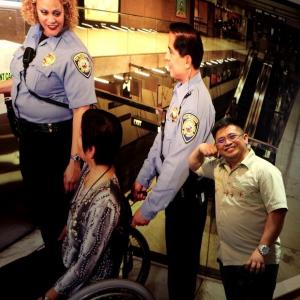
(189, 127)
(83, 64)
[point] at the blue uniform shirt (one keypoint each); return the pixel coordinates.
(61, 71)
(189, 121)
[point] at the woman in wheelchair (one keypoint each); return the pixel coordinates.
(96, 228)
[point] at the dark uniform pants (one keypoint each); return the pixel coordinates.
(240, 284)
(44, 157)
(185, 221)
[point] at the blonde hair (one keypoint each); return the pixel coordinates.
(70, 10)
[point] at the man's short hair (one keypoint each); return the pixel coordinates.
(188, 42)
(224, 122)
(102, 130)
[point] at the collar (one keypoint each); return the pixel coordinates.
(34, 36)
(181, 89)
(247, 161)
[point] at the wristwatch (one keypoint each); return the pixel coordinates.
(75, 157)
(263, 249)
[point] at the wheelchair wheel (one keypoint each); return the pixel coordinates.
(136, 260)
(113, 289)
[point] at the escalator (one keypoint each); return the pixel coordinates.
(247, 85)
(263, 100)
(255, 110)
(251, 109)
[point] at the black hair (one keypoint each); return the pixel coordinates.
(224, 122)
(102, 130)
(188, 42)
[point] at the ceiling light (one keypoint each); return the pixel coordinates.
(143, 30)
(158, 71)
(142, 73)
(118, 28)
(119, 77)
(101, 80)
(106, 27)
(86, 25)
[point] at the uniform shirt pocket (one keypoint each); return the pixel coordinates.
(43, 81)
(169, 134)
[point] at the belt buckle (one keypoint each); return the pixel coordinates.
(50, 127)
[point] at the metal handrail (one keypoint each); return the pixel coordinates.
(123, 100)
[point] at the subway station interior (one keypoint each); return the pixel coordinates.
(251, 67)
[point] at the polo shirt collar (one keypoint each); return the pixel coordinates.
(247, 161)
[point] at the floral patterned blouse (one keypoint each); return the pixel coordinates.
(87, 249)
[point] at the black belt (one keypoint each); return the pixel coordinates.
(25, 126)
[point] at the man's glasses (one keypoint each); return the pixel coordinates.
(231, 137)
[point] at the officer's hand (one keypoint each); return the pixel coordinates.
(138, 219)
(71, 175)
(138, 192)
(208, 150)
(256, 262)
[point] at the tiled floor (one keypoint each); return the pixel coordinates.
(207, 288)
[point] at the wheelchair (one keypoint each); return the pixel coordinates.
(134, 271)
(113, 289)
(136, 261)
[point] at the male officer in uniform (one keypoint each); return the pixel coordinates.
(189, 120)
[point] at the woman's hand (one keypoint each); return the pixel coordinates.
(6, 86)
(71, 175)
(50, 295)
(63, 234)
